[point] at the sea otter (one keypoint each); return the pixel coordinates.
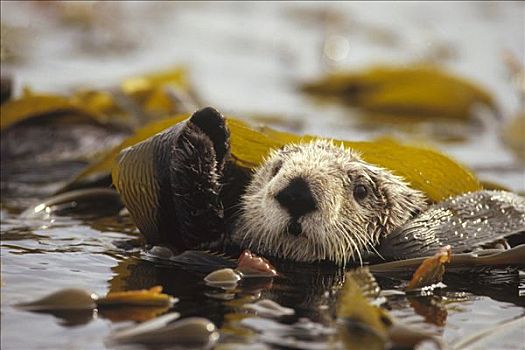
(307, 202)
(317, 201)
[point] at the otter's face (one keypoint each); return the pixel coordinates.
(317, 201)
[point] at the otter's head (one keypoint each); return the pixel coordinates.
(317, 201)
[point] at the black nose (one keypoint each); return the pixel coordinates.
(296, 198)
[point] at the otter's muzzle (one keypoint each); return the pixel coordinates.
(296, 198)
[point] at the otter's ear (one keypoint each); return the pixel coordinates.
(401, 201)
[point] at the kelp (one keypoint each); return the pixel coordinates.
(64, 134)
(425, 169)
(428, 170)
(363, 324)
(144, 297)
(48, 139)
(144, 84)
(430, 306)
(104, 166)
(513, 136)
(100, 102)
(417, 92)
(138, 100)
(79, 203)
(32, 105)
(132, 313)
(150, 93)
(482, 258)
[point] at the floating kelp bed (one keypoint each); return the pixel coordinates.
(79, 236)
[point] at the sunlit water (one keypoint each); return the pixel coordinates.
(40, 257)
(246, 59)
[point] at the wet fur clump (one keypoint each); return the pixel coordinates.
(356, 203)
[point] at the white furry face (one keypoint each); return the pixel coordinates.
(355, 203)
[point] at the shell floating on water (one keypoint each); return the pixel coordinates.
(193, 332)
(251, 265)
(160, 252)
(431, 270)
(269, 308)
(145, 327)
(225, 278)
(65, 299)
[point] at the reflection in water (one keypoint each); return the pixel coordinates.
(354, 336)
(309, 289)
(431, 308)
(71, 318)
(131, 313)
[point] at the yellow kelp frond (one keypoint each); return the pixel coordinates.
(419, 91)
(155, 95)
(106, 164)
(36, 105)
(143, 297)
(362, 324)
(427, 170)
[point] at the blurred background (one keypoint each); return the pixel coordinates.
(79, 78)
(251, 59)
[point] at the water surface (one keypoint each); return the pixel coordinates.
(246, 60)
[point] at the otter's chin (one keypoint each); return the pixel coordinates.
(295, 228)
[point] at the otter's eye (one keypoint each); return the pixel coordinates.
(360, 192)
(276, 168)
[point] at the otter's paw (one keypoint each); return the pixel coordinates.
(170, 183)
(196, 169)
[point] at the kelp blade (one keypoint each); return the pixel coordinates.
(35, 105)
(362, 324)
(143, 297)
(147, 90)
(419, 91)
(429, 171)
(106, 164)
(484, 258)
(435, 174)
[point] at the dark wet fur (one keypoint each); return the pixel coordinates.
(195, 170)
(465, 222)
(195, 188)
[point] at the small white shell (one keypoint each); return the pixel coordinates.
(145, 327)
(65, 299)
(269, 308)
(161, 252)
(225, 278)
(189, 332)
